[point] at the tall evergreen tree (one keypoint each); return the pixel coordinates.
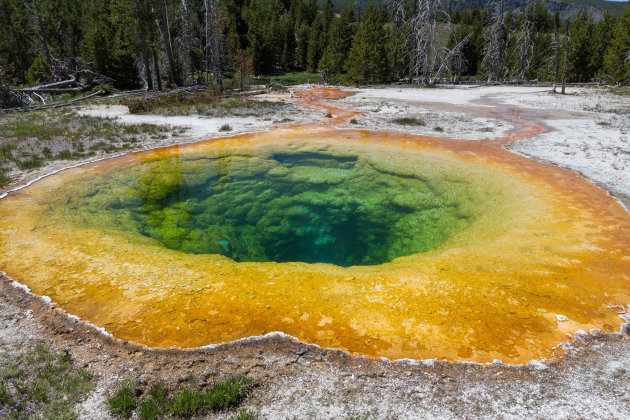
(617, 59)
(14, 40)
(319, 36)
(335, 54)
(367, 60)
(582, 31)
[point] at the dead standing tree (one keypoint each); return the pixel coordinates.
(566, 57)
(494, 49)
(214, 48)
(168, 46)
(142, 37)
(185, 41)
(524, 51)
(429, 59)
(556, 47)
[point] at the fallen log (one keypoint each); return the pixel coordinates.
(55, 84)
(253, 92)
(51, 91)
(50, 106)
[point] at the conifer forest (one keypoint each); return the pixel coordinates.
(156, 44)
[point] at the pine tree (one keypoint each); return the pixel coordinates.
(581, 48)
(367, 61)
(617, 59)
(337, 47)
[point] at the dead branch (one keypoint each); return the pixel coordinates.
(41, 98)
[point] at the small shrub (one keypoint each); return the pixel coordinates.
(136, 106)
(122, 402)
(439, 129)
(328, 115)
(409, 121)
(277, 87)
(354, 121)
(225, 127)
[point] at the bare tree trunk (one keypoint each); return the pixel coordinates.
(430, 22)
(143, 44)
(188, 41)
(166, 35)
(500, 60)
(413, 46)
(556, 22)
(42, 35)
(566, 57)
(156, 67)
(214, 47)
(494, 46)
(525, 50)
(206, 6)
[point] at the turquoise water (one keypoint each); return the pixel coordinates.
(288, 205)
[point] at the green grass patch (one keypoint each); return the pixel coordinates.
(409, 121)
(225, 127)
(4, 178)
(621, 90)
(32, 161)
(226, 393)
(122, 403)
(244, 415)
(41, 384)
(31, 139)
(149, 410)
(29, 125)
(6, 152)
(438, 129)
(184, 403)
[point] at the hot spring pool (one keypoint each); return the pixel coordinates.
(380, 246)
